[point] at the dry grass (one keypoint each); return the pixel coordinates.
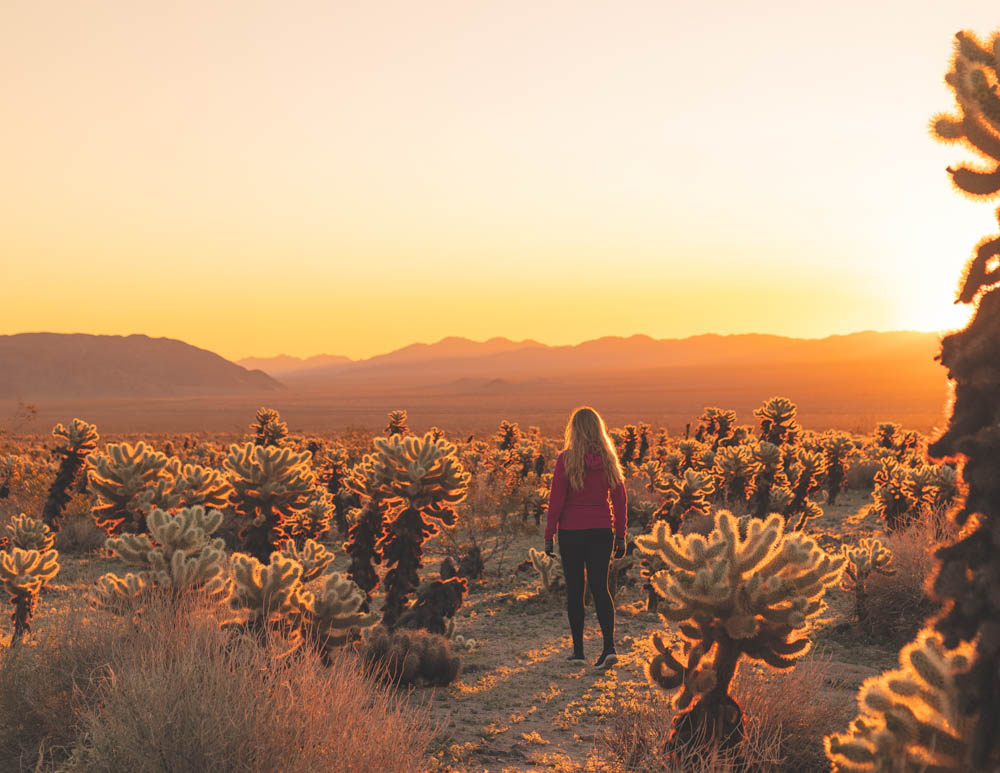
(174, 693)
(799, 706)
(636, 742)
(899, 602)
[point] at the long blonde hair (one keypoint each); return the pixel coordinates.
(585, 431)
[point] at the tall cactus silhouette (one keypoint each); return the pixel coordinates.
(943, 711)
(837, 448)
(734, 597)
(397, 424)
(75, 443)
(366, 479)
(423, 480)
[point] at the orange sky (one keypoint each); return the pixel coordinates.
(305, 177)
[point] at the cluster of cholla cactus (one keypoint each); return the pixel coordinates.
(334, 471)
(869, 557)
(507, 435)
(549, 569)
(27, 564)
(904, 494)
(272, 487)
(733, 597)
(912, 719)
(74, 444)
(410, 657)
(421, 480)
(778, 423)
(178, 556)
(268, 429)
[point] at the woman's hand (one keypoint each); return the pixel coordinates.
(550, 549)
(619, 548)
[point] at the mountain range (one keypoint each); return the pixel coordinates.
(137, 383)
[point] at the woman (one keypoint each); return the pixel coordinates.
(586, 473)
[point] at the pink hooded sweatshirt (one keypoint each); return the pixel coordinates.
(587, 508)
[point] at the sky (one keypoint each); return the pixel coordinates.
(312, 176)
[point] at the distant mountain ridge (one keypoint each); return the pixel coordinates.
(77, 365)
(461, 360)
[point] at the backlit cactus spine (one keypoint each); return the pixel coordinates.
(549, 569)
(74, 444)
(423, 481)
(734, 597)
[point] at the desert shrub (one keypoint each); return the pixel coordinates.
(409, 657)
(898, 603)
(179, 695)
(636, 740)
(861, 474)
(775, 701)
(43, 681)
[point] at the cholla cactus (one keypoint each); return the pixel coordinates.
(869, 556)
(397, 424)
(716, 426)
(733, 597)
(28, 534)
(185, 486)
(777, 421)
(549, 569)
(837, 449)
(769, 490)
(315, 558)
(507, 436)
(334, 611)
(811, 467)
(886, 434)
(733, 470)
(333, 476)
(178, 556)
(268, 429)
(313, 520)
(410, 657)
(121, 477)
(893, 500)
(911, 718)
(423, 479)
(270, 486)
(22, 574)
(686, 503)
(75, 443)
(366, 479)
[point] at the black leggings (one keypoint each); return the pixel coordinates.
(590, 548)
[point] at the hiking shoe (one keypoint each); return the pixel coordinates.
(576, 657)
(607, 659)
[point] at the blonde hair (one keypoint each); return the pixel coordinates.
(586, 431)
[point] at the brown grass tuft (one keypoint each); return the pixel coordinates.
(175, 693)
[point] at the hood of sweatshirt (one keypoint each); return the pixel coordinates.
(593, 460)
